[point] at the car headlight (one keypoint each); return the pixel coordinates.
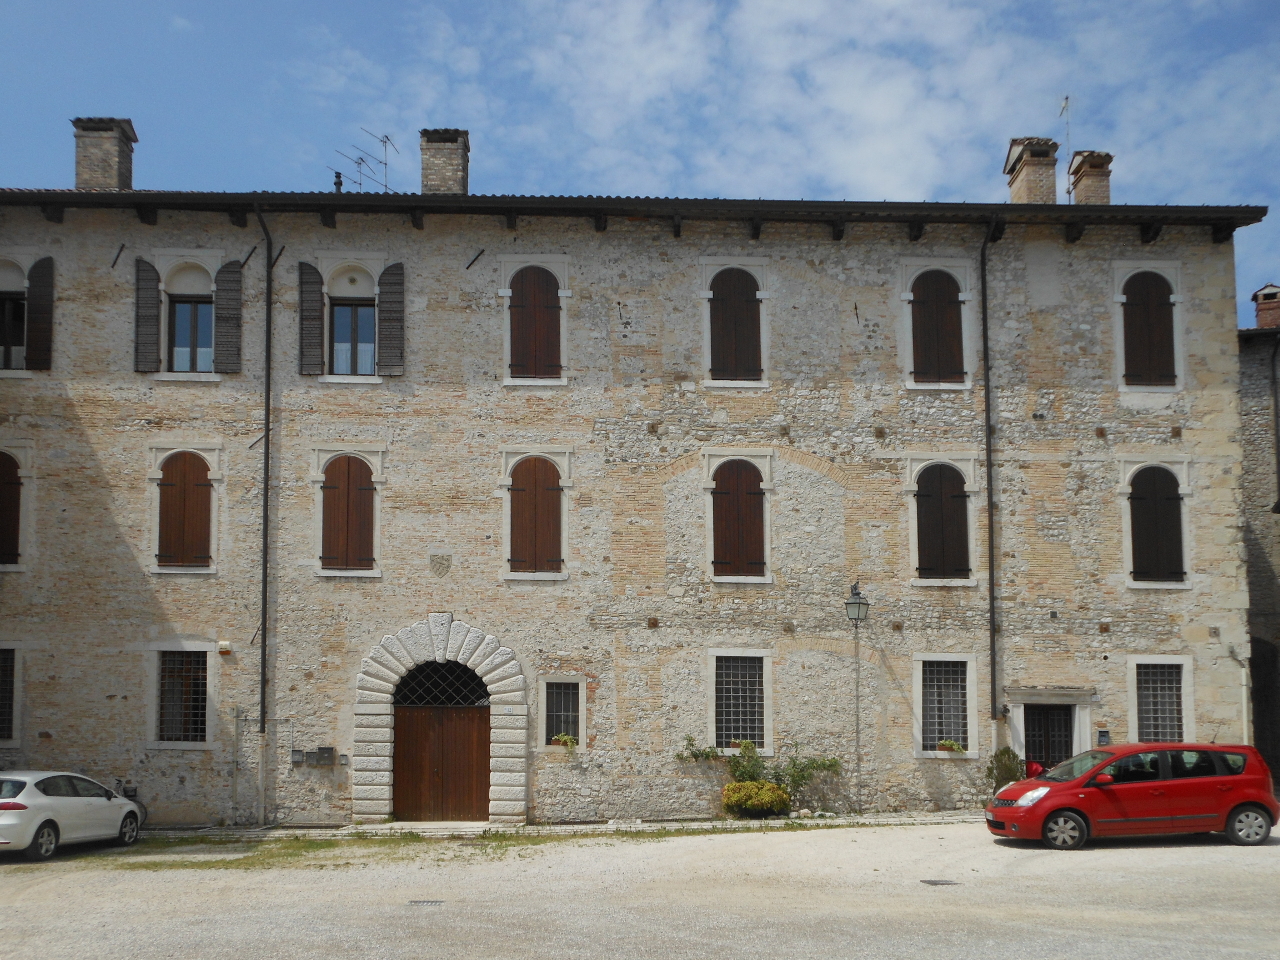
(1031, 796)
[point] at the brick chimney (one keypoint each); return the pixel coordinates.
(104, 153)
(1090, 173)
(444, 161)
(1031, 166)
(1267, 307)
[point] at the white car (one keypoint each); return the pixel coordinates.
(41, 810)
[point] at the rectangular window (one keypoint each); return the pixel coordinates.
(739, 700)
(183, 696)
(8, 679)
(191, 336)
(562, 711)
(13, 331)
(1159, 702)
(944, 703)
(353, 339)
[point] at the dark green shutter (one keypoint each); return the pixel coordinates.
(40, 315)
(310, 321)
(226, 318)
(391, 321)
(146, 316)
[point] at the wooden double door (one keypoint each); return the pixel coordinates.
(441, 760)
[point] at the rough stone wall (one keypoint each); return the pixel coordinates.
(837, 417)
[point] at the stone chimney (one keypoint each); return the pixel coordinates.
(1266, 303)
(444, 161)
(1031, 167)
(104, 153)
(1090, 173)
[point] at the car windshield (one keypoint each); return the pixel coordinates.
(11, 788)
(1077, 766)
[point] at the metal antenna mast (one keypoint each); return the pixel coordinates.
(1066, 112)
(364, 163)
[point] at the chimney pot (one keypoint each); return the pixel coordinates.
(445, 159)
(1090, 173)
(1031, 166)
(1266, 304)
(104, 153)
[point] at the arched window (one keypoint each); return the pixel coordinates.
(737, 506)
(13, 317)
(10, 510)
(535, 517)
(1148, 331)
(535, 324)
(942, 524)
(937, 337)
(190, 292)
(186, 496)
(1155, 522)
(353, 324)
(735, 327)
(347, 519)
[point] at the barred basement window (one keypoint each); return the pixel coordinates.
(1159, 702)
(8, 677)
(562, 711)
(739, 700)
(183, 696)
(945, 703)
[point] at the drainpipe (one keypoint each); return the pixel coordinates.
(1275, 419)
(994, 231)
(266, 526)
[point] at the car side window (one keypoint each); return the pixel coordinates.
(1184, 764)
(1135, 768)
(11, 788)
(1232, 763)
(88, 789)
(57, 787)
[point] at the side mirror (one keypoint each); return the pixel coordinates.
(1103, 779)
(110, 795)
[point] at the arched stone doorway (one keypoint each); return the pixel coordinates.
(440, 639)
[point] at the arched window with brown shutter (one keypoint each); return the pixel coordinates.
(735, 327)
(347, 515)
(937, 335)
(942, 524)
(536, 544)
(10, 510)
(186, 497)
(1155, 523)
(737, 510)
(1148, 331)
(535, 324)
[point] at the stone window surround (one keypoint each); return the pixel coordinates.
(1171, 270)
(167, 261)
(562, 457)
(374, 454)
(509, 264)
(330, 262)
(1180, 467)
(16, 742)
(152, 693)
(540, 745)
(1188, 692)
(917, 707)
(762, 458)
(24, 452)
(756, 266)
(967, 463)
(22, 258)
(962, 269)
(211, 451)
(765, 655)
(440, 638)
(1081, 698)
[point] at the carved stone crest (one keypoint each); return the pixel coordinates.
(440, 563)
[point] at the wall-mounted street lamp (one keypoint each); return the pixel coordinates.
(856, 608)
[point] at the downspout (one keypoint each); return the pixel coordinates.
(266, 519)
(1275, 419)
(993, 230)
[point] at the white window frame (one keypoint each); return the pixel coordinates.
(542, 746)
(23, 258)
(1180, 467)
(762, 458)
(212, 695)
(967, 463)
(757, 267)
(1019, 698)
(374, 454)
(211, 451)
(1188, 691)
(1171, 270)
(767, 679)
(167, 261)
(509, 264)
(330, 263)
(971, 707)
(562, 457)
(910, 268)
(15, 742)
(24, 452)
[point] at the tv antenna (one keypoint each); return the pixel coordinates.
(1066, 112)
(366, 163)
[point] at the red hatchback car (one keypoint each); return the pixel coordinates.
(1141, 788)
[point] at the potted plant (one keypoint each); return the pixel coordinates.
(566, 740)
(950, 746)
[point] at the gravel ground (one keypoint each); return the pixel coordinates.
(851, 892)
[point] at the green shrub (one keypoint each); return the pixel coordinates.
(1005, 767)
(693, 752)
(748, 766)
(756, 798)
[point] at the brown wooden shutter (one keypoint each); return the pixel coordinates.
(535, 324)
(185, 500)
(10, 510)
(310, 321)
(937, 335)
(942, 524)
(40, 315)
(391, 321)
(737, 511)
(535, 517)
(227, 298)
(1155, 522)
(347, 502)
(146, 318)
(735, 327)
(1148, 331)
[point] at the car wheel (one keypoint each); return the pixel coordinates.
(1248, 826)
(1064, 830)
(45, 843)
(128, 835)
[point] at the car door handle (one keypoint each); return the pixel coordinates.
(1157, 793)
(1223, 787)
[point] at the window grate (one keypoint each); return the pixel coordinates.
(562, 711)
(1159, 702)
(8, 663)
(448, 684)
(183, 696)
(739, 700)
(946, 703)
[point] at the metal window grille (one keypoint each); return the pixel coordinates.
(183, 696)
(562, 710)
(1159, 702)
(739, 700)
(448, 684)
(945, 710)
(8, 660)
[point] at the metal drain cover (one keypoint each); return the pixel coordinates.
(941, 883)
(428, 903)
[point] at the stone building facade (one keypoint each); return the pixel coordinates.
(635, 619)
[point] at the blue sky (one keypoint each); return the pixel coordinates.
(829, 99)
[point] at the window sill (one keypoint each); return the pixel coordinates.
(922, 582)
(735, 384)
(13, 568)
(17, 375)
(912, 385)
(187, 377)
(554, 748)
(536, 382)
(734, 751)
(765, 579)
(945, 755)
(15, 744)
(535, 576)
(1157, 584)
(333, 572)
(178, 745)
(342, 378)
(185, 571)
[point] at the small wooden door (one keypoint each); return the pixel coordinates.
(1048, 732)
(441, 763)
